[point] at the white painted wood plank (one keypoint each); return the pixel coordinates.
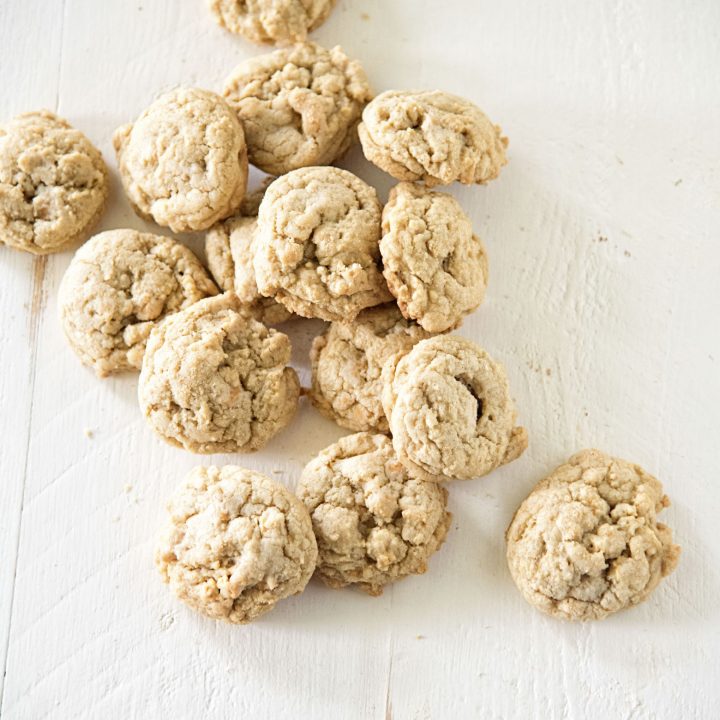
(602, 304)
(30, 82)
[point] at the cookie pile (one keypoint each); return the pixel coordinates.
(426, 407)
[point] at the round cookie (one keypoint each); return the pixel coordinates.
(117, 288)
(586, 542)
(53, 184)
(434, 265)
(449, 410)
(431, 136)
(316, 248)
(373, 523)
(183, 162)
(299, 106)
(272, 21)
(229, 247)
(235, 543)
(347, 362)
(215, 380)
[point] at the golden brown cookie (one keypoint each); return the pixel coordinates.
(586, 542)
(434, 264)
(347, 362)
(316, 248)
(373, 523)
(433, 137)
(117, 288)
(183, 162)
(53, 184)
(272, 21)
(450, 412)
(235, 542)
(215, 380)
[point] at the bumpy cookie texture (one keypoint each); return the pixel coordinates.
(215, 380)
(373, 523)
(347, 362)
(449, 409)
(183, 162)
(431, 136)
(434, 265)
(300, 106)
(53, 184)
(235, 543)
(229, 247)
(586, 542)
(272, 21)
(316, 248)
(117, 288)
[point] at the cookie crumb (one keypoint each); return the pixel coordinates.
(88, 433)
(420, 637)
(128, 487)
(548, 372)
(364, 16)
(627, 253)
(677, 182)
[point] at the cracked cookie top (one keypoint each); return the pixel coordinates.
(235, 543)
(230, 247)
(433, 137)
(316, 248)
(53, 184)
(214, 380)
(586, 542)
(299, 106)
(373, 523)
(272, 21)
(118, 286)
(434, 265)
(347, 362)
(450, 412)
(183, 162)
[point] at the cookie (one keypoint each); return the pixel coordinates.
(229, 247)
(279, 22)
(434, 265)
(117, 288)
(316, 248)
(586, 542)
(235, 543)
(449, 410)
(300, 106)
(183, 162)
(53, 184)
(347, 362)
(373, 523)
(215, 380)
(431, 136)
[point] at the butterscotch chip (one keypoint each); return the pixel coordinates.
(235, 543)
(53, 184)
(431, 136)
(347, 362)
(450, 412)
(434, 264)
(300, 106)
(215, 380)
(117, 288)
(183, 162)
(316, 247)
(272, 21)
(373, 523)
(586, 542)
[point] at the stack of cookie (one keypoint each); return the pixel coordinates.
(314, 241)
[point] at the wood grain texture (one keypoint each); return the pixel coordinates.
(603, 240)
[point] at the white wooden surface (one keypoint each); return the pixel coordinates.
(604, 240)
